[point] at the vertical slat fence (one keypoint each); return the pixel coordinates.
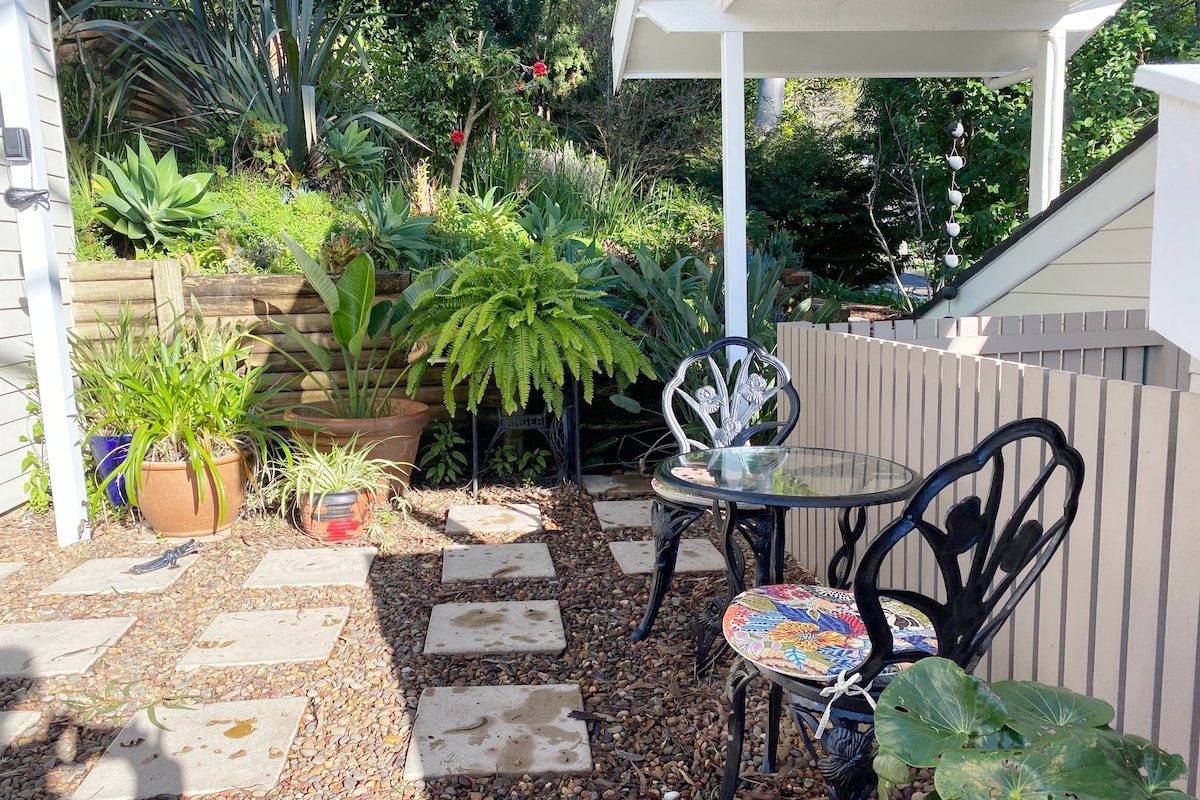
(1117, 612)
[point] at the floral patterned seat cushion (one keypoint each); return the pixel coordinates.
(814, 632)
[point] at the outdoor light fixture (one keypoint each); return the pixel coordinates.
(17, 152)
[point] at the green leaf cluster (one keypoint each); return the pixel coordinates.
(519, 316)
(332, 468)
(1020, 740)
(184, 394)
(392, 231)
(443, 461)
(148, 200)
(369, 334)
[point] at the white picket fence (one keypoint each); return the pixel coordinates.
(1117, 613)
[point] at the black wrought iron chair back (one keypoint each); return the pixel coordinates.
(751, 401)
(1025, 482)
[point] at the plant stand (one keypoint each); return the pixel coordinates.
(562, 435)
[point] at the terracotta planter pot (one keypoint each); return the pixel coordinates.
(395, 437)
(334, 516)
(169, 497)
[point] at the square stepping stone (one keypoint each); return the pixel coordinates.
(486, 562)
(514, 518)
(241, 745)
(326, 567)
(62, 647)
(617, 485)
(695, 555)
(267, 637)
(532, 626)
(8, 568)
(14, 725)
(623, 513)
(98, 575)
(498, 730)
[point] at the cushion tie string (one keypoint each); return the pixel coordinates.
(839, 689)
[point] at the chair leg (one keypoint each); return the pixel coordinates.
(669, 523)
(774, 712)
(846, 765)
(740, 675)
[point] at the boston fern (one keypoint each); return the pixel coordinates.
(519, 317)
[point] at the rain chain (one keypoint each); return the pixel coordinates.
(954, 196)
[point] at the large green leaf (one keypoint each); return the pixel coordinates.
(356, 295)
(1076, 765)
(934, 707)
(1036, 710)
(1151, 770)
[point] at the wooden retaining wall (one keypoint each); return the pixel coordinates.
(160, 291)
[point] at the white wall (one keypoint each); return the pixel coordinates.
(1108, 271)
(15, 346)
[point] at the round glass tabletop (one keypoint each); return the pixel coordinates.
(789, 476)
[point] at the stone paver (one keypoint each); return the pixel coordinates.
(484, 562)
(205, 749)
(516, 518)
(617, 485)
(8, 568)
(533, 626)
(326, 567)
(97, 575)
(695, 555)
(14, 724)
(623, 513)
(62, 647)
(267, 637)
(505, 730)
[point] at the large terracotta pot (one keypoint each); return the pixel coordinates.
(334, 516)
(395, 437)
(169, 497)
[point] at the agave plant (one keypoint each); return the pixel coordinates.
(393, 230)
(144, 199)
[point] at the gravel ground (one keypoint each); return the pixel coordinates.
(654, 729)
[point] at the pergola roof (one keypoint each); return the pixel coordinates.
(847, 38)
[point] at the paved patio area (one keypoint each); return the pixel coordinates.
(488, 658)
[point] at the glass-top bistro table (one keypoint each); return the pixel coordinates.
(780, 478)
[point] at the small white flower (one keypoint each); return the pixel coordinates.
(724, 435)
(708, 400)
(754, 390)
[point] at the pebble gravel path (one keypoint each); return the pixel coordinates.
(655, 732)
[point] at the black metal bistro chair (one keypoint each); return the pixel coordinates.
(832, 651)
(725, 404)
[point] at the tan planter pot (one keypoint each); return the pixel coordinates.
(395, 437)
(169, 497)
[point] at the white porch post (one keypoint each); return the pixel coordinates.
(733, 183)
(1045, 151)
(39, 261)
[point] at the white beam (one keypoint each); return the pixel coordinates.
(733, 179)
(1045, 151)
(43, 287)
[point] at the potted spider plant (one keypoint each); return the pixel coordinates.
(330, 489)
(360, 380)
(193, 411)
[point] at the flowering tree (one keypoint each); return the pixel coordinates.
(485, 81)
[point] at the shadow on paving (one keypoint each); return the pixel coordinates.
(652, 728)
(31, 767)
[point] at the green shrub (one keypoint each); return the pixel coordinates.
(262, 209)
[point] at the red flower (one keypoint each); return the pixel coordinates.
(457, 137)
(539, 69)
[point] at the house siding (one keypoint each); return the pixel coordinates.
(15, 332)
(1108, 271)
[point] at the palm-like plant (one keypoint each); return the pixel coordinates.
(218, 61)
(519, 316)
